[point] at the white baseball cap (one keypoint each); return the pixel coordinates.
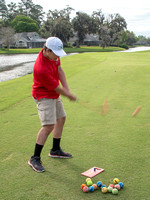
(56, 45)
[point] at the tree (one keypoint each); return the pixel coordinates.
(37, 13)
(81, 24)
(24, 7)
(115, 24)
(3, 9)
(7, 36)
(141, 40)
(62, 28)
(121, 37)
(99, 20)
(100, 28)
(22, 23)
(131, 38)
(125, 39)
(27, 8)
(148, 41)
(3, 12)
(12, 11)
(0, 23)
(58, 24)
(104, 37)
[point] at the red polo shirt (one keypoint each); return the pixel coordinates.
(45, 77)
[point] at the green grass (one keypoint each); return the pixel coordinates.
(67, 50)
(116, 142)
(19, 51)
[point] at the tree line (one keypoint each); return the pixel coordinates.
(29, 17)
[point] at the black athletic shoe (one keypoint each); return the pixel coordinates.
(35, 163)
(59, 154)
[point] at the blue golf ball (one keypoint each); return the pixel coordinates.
(99, 184)
(121, 185)
(91, 189)
(103, 186)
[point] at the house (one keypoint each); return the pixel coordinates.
(90, 40)
(28, 40)
(33, 40)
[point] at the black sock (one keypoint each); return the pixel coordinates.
(38, 149)
(56, 144)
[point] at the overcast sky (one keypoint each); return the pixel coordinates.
(136, 13)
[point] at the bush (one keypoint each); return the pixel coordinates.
(125, 46)
(68, 45)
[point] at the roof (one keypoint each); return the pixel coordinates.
(29, 37)
(91, 37)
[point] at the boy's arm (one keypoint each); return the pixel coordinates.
(64, 90)
(62, 78)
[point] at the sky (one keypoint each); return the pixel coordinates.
(136, 13)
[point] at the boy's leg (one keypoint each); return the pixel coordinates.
(57, 133)
(41, 138)
(58, 127)
(35, 161)
(44, 133)
(56, 151)
(47, 115)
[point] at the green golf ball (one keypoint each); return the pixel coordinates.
(89, 183)
(114, 191)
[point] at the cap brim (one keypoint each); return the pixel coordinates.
(60, 53)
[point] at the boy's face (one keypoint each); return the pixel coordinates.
(50, 55)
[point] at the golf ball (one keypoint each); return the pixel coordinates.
(111, 185)
(109, 189)
(91, 189)
(103, 186)
(88, 179)
(85, 189)
(117, 187)
(114, 191)
(95, 186)
(82, 186)
(89, 183)
(99, 184)
(121, 185)
(116, 181)
(104, 190)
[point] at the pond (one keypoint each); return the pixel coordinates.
(14, 66)
(11, 61)
(135, 49)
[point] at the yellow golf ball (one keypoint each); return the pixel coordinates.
(116, 181)
(88, 179)
(104, 190)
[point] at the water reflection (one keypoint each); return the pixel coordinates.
(8, 61)
(135, 49)
(16, 72)
(16, 65)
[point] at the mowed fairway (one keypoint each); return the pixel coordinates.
(117, 142)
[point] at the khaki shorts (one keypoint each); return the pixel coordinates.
(50, 110)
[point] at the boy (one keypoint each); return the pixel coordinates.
(46, 90)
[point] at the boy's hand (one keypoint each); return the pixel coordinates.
(72, 97)
(65, 92)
